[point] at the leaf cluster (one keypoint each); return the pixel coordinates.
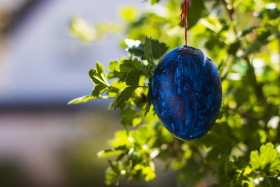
(242, 149)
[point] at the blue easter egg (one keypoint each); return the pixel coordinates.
(187, 92)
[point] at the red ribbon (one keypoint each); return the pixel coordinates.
(184, 11)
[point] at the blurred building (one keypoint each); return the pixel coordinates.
(40, 62)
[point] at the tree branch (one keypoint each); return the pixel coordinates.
(242, 114)
(257, 87)
(229, 11)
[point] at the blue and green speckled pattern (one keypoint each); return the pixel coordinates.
(187, 92)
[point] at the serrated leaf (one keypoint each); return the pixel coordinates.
(137, 51)
(98, 76)
(150, 70)
(134, 64)
(132, 78)
(149, 56)
(98, 89)
(268, 159)
(158, 48)
(148, 50)
(153, 48)
(114, 66)
(123, 97)
(128, 67)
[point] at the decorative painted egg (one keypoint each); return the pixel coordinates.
(187, 92)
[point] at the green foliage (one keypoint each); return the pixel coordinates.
(242, 149)
(267, 161)
(98, 77)
(82, 30)
(146, 53)
(82, 99)
(87, 33)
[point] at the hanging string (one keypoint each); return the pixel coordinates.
(184, 12)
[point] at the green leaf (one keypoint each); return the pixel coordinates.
(82, 30)
(123, 97)
(82, 99)
(158, 49)
(261, 40)
(149, 173)
(152, 49)
(115, 166)
(220, 140)
(150, 70)
(130, 117)
(127, 70)
(132, 64)
(112, 151)
(114, 66)
(110, 177)
(233, 48)
(98, 76)
(132, 78)
(148, 50)
(112, 174)
(271, 13)
(249, 30)
(149, 56)
(137, 51)
(85, 99)
(154, 1)
(98, 90)
(234, 173)
(268, 160)
(196, 11)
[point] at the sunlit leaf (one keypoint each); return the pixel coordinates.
(268, 159)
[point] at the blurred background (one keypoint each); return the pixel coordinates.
(43, 141)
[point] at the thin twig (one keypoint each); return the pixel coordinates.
(242, 114)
